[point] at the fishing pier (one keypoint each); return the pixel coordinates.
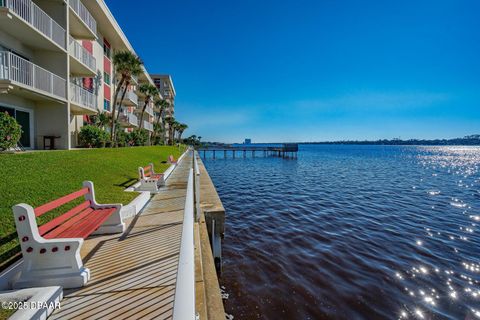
(284, 150)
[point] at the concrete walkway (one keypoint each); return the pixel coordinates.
(134, 274)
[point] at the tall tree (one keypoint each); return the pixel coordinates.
(162, 106)
(149, 91)
(126, 65)
(171, 125)
(181, 128)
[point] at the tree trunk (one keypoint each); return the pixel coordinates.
(154, 134)
(127, 83)
(143, 111)
(114, 107)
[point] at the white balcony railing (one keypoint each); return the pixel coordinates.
(82, 54)
(132, 96)
(36, 17)
(129, 118)
(83, 97)
(147, 125)
(134, 79)
(84, 14)
(149, 110)
(22, 71)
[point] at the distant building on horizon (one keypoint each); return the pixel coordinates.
(247, 141)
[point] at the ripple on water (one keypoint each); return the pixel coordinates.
(352, 232)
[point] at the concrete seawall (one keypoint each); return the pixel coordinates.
(209, 230)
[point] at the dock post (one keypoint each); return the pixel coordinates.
(233, 152)
(253, 153)
(213, 154)
(244, 153)
(204, 156)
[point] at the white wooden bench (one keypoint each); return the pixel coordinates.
(172, 160)
(149, 179)
(51, 252)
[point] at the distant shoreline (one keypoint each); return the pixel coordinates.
(472, 140)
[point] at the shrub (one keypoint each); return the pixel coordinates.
(122, 138)
(139, 137)
(10, 131)
(92, 136)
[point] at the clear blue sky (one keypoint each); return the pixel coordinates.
(314, 70)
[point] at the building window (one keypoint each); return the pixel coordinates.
(106, 105)
(106, 78)
(107, 50)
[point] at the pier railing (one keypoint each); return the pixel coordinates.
(184, 301)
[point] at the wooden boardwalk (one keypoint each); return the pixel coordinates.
(134, 274)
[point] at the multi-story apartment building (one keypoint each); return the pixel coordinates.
(164, 84)
(56, 69)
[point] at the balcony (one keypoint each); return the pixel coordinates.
(148, 126)
(134, 80)
(149, 110)
(27, 79)
(82, 23)
(130, 99)
(128, 119)
(82, 101)
(24, 20)
(82, 62)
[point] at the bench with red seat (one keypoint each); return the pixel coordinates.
(51, 252)
(149, 179)
(172, 160)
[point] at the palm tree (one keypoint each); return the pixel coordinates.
(171, 127)
(175, 127)
(162, 105)
(149, 91)
(181, 127)
(126, 64)
(101, 119)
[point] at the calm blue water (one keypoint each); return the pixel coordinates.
(352, 232)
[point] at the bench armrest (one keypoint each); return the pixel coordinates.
(91, 196)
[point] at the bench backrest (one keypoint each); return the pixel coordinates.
(61, 201)
(146, 172)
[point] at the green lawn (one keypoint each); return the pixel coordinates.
(39, 177)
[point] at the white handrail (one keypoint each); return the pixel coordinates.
(184, 302)
(36, 17)
(20, 70)
(195, 163)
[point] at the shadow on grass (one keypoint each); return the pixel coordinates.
(128, 183)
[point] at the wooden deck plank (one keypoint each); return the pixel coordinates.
(134, 275)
